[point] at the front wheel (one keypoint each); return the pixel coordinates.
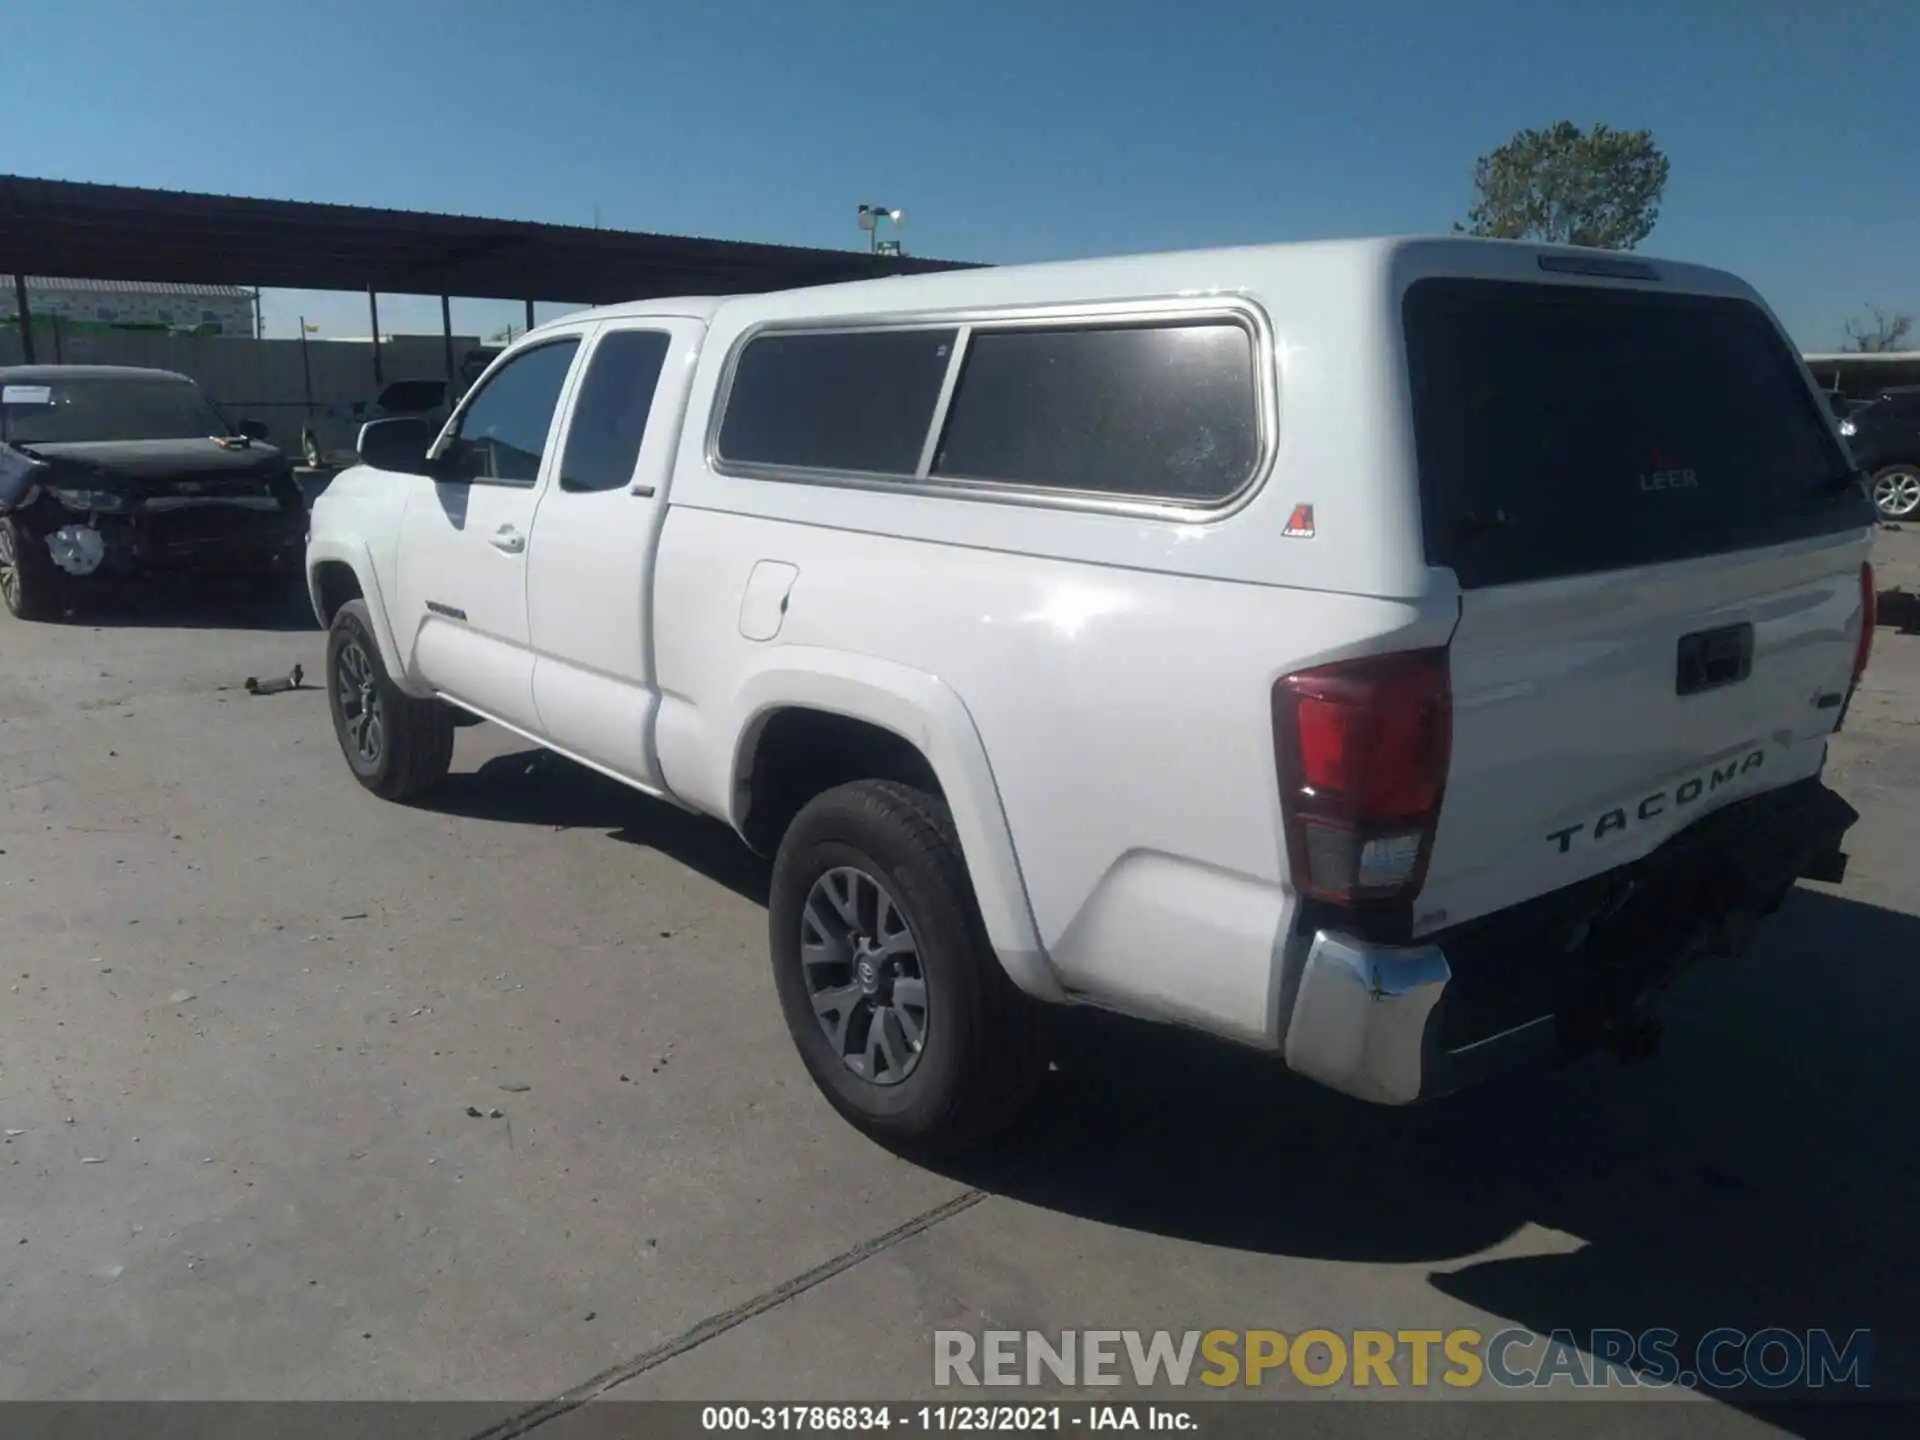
(396, 746)
(27, 577)
(900, 1009)
(1896, 492)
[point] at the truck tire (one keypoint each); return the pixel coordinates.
(27, 576)
(900, 1009)
(396, 746)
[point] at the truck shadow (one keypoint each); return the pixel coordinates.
(208, 606)
(537, 787)
(1760, 1172)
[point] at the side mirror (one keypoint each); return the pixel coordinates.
(398, 444)
(252, 429)
(1837, 403)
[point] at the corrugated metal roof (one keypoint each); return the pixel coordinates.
(110, 231)
(127, 287)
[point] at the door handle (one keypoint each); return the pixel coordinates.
(508, 539)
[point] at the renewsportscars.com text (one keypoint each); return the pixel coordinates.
(1722, 1359)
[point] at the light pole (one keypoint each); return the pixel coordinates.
(870, 218)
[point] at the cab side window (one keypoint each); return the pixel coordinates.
(503, 430)
(610, 416)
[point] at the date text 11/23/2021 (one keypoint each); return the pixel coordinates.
(858, 1419)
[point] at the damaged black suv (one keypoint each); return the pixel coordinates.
(112, 473)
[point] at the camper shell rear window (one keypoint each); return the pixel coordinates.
(1568, 429)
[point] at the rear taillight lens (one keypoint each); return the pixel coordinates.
(1362, 749)
(1869, 618)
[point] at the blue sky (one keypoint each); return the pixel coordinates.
(1009, 131)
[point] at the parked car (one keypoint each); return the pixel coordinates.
(109, 472)
(328, 439)
(1884, 435)
(1350, 650)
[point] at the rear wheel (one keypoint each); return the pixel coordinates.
(396, 746)
(1896, 491)
(27, 578)
(900, 1009)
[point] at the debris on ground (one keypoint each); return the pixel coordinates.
(181, 997)
(474, 1111)
(91, 1160)
(257, 686)
(516, 1087)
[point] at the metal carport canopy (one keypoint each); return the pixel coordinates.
(113, 232)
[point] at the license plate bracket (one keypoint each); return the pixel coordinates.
(1712, 659)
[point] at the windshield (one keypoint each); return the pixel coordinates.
(69, 410)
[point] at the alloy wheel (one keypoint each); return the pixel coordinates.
(9, 569)
(863, 974)
(1897, 493)
(361, 710)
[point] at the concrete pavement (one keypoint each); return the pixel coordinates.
(264, 1002)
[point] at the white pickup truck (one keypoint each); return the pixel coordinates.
(1400, 656)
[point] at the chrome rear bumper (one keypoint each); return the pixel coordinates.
(1364, 1023)
(1558, 975)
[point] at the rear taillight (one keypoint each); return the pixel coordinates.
(1869, 618)
(1362, 748)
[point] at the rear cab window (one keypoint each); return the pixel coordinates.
(610, 416)
(1564, 430)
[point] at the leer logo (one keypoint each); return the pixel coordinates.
(1300, 523)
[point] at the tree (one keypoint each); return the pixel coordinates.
(1883, 333)
(1599, 187)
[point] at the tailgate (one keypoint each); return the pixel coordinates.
(1659, 552)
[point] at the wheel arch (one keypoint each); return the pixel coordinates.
(339, 571)
(928, 723)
